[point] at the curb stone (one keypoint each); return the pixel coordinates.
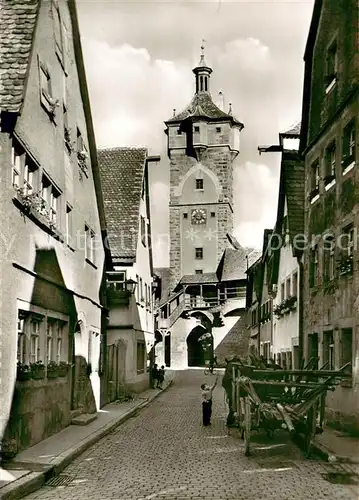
(330, 456)
(35, 480)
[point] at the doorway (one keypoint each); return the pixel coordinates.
(168, 350)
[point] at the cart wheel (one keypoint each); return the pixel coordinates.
(247, 426)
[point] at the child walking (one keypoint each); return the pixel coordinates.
(207, 402)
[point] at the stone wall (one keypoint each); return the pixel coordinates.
(40, 409)
(220, 161)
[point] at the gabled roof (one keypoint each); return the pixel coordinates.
(202, 106)
(233, 264)
(122, 175)
(293, 186)
(293, 131)
(18, 23)
(165, 274)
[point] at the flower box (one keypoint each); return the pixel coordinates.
(63, 369)
(23, 372)
(37, 370)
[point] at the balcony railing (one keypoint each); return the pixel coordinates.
(199, 302)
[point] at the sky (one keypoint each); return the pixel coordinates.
(139, 58)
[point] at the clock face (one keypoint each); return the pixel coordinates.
(199, 216)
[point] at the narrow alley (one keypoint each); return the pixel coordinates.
(164, 453)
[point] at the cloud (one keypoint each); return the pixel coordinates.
(256, 191)
(132, 94)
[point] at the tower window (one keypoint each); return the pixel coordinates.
(213, 214)
(196, 129)
(185, 216)
(201, 83)
(205, 84)
(199, 253)
(199, 183)
(218, 130)
(179, 132)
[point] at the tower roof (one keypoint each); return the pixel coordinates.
(202, 105)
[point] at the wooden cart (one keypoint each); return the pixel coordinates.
(271, 398)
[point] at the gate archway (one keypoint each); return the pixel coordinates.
(199, 349)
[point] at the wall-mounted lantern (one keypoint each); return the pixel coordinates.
(131, 285)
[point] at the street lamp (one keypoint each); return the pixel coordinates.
(131, 285)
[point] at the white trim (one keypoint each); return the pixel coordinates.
(331, 85)
(330, 185)
(348, 168)
(314, 199)
(196, 169)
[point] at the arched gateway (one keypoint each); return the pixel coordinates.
(199, 346)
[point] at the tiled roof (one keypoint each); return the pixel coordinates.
(165, 274)
(122, 172)
(234, 265)
(18, 22)
(293, 180)
(236, 342)
(194, 279)
(203, 106)
(293, 131)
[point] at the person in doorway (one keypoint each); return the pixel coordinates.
(160, 377)
(154, 376)
(207, 391)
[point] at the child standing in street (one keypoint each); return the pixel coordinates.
(207, 402)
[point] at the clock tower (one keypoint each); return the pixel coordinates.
(203, 141)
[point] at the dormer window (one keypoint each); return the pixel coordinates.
(196, 129)
(179, 132)
(218, 130)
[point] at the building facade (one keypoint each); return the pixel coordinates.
(51, 215)
(329, 144)
(129, 268)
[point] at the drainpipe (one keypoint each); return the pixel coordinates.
(301, 310)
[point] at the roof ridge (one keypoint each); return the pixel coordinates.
(123, 148)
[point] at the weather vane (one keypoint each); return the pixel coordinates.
(202, 46)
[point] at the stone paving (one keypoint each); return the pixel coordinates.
(164, 453)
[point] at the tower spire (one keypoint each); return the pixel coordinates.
(202, 72)
(202, 61)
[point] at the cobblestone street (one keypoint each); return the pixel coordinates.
(164, 453)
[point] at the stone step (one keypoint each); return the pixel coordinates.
(75, 413)
(84, 419)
